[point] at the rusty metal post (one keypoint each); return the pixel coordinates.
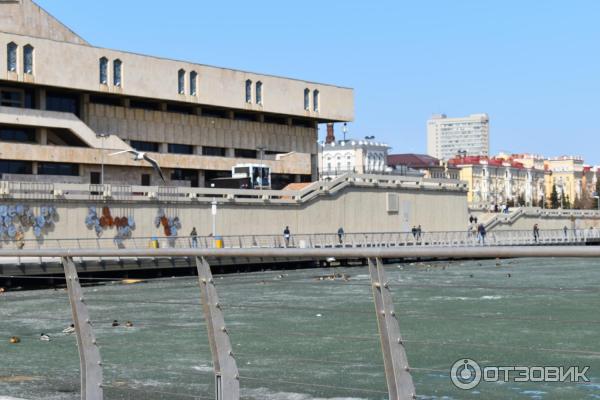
(227, 380)
(397, 372)
(89, 354)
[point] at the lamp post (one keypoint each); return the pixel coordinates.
(102, 136)
(345, 129)
(213, 211)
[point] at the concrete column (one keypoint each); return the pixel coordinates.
(163, 148)
(288, 121)
(40, 99)
(230, 152)
(297, 178)
(41, 136)
(34, 168)
(198, 150)
(230, 115)
(163, 107)
(125, 103)
(260, 118)
(198, 111)
(84, 101)
(201, 178)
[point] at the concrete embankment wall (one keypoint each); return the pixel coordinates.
(356, 209)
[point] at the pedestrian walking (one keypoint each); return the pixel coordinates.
(194, 237)
(565, 231)
(414, 232)
(286, 236)
(340, 234)
(419, 232)
(536, 233)
(481, 231)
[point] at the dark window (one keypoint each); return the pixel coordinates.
(95, 178)
(175, 108)
(47, 168)
(259, 99)
(15, 167)
(185, 175)
(303, 122)
(193, 83)
(248, 91)
(244, 116)
(181, 148)
(213, 151)
(62, 102)
(11, 98)
(213, 112)
(306, 99)
(11, 50)
(104, 71)
(28, 59)
(107, 100)
(145, 180)
(181, 81)
(244, 153)
(316, 101)
(269, 119)
(144, 105)
(145, 146)
(17, 134)
(117, 72)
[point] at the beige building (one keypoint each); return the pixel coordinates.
(65, 105)
(448, 137)
(575, 182)
(498, 181)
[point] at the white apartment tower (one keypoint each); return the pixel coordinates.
(447, 137)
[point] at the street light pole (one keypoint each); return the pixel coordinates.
(102, 136)
(213, 211)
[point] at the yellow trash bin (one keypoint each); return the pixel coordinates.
(219, 242)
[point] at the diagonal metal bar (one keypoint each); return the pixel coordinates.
(397, 372)
(89, 353)
(227, 379)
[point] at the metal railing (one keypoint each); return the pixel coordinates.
(322, 240)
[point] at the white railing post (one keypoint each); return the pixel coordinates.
(397, 372)
(227, 379)
(90, 362)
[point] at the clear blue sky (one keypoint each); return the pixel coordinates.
(533, 66)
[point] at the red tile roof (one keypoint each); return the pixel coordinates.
(413, 160)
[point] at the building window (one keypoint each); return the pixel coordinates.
(181, 81)
(49, 168)
(213, 151)
(316, 100)
(307, 99)
(28, 59)
(177, 148)
(193, 83)
(117, 73)
(104, 71)
(62, 102)
(248, 91)
(244, 153)
(259, 92)
(10, 134)
(15, 167)
(144, 146)
(12, 57)
(12, 97)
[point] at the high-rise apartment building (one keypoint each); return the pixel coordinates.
(449, 137)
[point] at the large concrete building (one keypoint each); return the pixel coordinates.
(448, 137)
(65, 105)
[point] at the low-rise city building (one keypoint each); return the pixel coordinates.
(423, 165)
(499, 181)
